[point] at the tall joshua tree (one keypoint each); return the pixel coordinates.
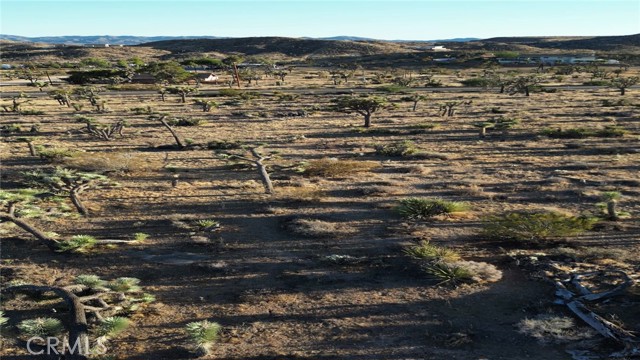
(623, 83)
(364, 106)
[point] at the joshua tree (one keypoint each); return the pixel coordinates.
(89, 93)
(89, 300)
(29, 140)
(281, 74)
(162, 93)
(16, 104)
(68, 182)
(62, 96)
(364, 106)
(206, 105)
(183, 91)
(416, 98)
(104, 132)
(623, 83)
(500, 123)
(162, 118)
(523, 84)
(20, 205)
(449, 108)
(258, 161)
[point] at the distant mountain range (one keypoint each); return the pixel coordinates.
(136, 40)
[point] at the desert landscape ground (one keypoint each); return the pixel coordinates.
(454, 226)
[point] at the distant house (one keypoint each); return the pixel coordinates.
(143, 79)
(208, 78)
(6, 66)
(436, 48)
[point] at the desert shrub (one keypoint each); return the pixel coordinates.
(535, 226)
(203, 334)
(223, 145)
(142, 110)
(10, 129)
(108, 162)
(77, 243)
(230, 92)
(182, 121)
(329, 167)
(394, 89)
(31, 112)
(318, 228)
(398, 149)
(41, 327)
(427, 251)
(549, 328)
(446, 273)
(596, 83)
(618, 102)
(582, 132)
(416, 208)
(593, 253)
(55, 154)
(477, 82)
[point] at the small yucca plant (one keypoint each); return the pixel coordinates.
(124, 285)
(448, 273)
(91, 281)
(415, 208)
(205, 224)
(112, 326)
(77, 243)
(140, 236)
(145, 298)
(431, 252)
(203, 334)
(3, 319)
(41, 327)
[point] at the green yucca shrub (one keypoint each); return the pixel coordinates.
(41, 327)
(416, 208)
(112, 326)
(203, 334)
(450, 274)
(535, 226)
(3, 319)
(124, 285)
(77, 243)
(91, 281)
(427, 251)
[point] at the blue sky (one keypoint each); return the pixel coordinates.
(389, 20)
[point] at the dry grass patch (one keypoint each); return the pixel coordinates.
(300, 193)
(107, 162)
(319, 228)
(329, 167)
(549, 328)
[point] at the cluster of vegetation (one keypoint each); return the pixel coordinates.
(583, 132)
(422, 209)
